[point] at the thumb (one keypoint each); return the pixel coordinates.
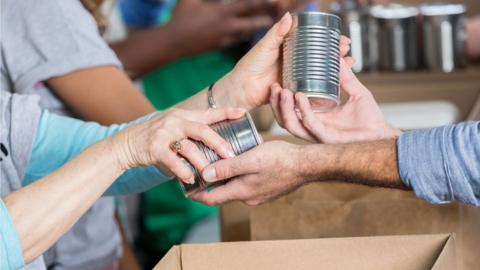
(274, 37)
(228, 168)
(349, 82)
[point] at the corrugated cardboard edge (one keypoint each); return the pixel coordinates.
(447, 258)
(172, 260)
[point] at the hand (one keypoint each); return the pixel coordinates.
(202, 26)
(149, 143)
(259, 175)
(248, 84)
(358, 119)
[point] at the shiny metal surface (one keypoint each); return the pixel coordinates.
(355, 26)
(311, 59)
(242, 136)
(393, 37)
(444, 36)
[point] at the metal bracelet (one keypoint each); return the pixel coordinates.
(211, 100)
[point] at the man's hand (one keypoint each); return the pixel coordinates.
(259, 175)
(208, 25)
(359, 119)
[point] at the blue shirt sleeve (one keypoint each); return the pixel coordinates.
(442, 164)
(59, 139)
(11, 254)
(144, 13)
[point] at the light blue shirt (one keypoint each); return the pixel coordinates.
(58, 139)
(442, 164)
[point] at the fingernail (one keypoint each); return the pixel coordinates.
(191, 180)
(284, 17)
(209, 174)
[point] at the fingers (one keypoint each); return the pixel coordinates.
(217, 115)
(231, 191)
(274, 37)
(311, 122)
(275, 90)
(349, 82)
(350, 61)
(193, 154)
(290, 117)
(210, 138)
(229, 168)
(344, 46)
(177, 166)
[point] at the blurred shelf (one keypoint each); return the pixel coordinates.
(461, 87)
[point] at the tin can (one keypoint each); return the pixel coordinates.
(240, 133)
(311, 59)
(444, 36)
(393, 37)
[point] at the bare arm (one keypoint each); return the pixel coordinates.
(276, 168)
(369, 163)
(43, 211)
(101, 94)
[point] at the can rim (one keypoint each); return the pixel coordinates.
(256, 135)
(317, 13)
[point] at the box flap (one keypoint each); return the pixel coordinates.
(171, 261)
(446, 259)
(384, 252)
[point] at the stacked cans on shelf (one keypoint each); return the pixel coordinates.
(396, 37)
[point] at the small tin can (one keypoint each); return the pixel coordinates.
(311, 59)
(240, 133)
(444, 36)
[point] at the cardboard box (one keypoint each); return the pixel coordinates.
(342, 210)
(420, 252)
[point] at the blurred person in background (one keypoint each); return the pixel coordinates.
(53, 49)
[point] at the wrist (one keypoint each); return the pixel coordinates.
(316, 162)
(229, 92)
(118, 146)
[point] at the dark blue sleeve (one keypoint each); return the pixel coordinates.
(143, 13)
(442, 164)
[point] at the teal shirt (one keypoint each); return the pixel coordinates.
(59, 139)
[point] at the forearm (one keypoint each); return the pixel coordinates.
(368, 163)
(45, 210)
(102, 94)
(59, 139)
(226, 93)
(147, 49)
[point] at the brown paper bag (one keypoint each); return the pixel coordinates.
(341, 210)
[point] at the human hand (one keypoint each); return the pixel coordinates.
(359, 119)
(248, 84)
(202, 26)
(258, 175)
(150, 143)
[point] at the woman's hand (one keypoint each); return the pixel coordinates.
(150, 143)
(359, 119)
(248, 84)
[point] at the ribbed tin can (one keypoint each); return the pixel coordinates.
(444, 36)
(311, 58)
(240, 133)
